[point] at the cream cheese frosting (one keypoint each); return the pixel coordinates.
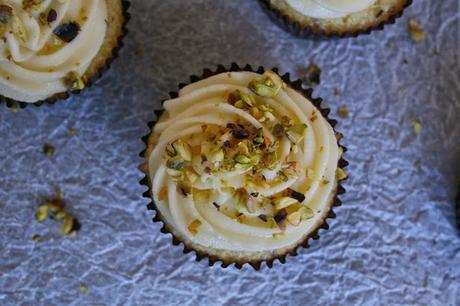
(234, 170)
(329, 8)
(34, 61)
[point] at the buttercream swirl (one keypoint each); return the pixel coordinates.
(33, 60)
(329, 8)
(212, 127)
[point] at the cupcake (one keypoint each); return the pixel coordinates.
(51, 47)
(243, 167)
(335, 17)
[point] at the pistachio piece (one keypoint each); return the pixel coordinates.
(191, 175)
(341, 174)
(183, 149)
(36, 237)
(416, 30)
(67, 225)
(271, 222)
(242, 159)
(48, 149)
(259, 140)
(285, 202)
(296, 133)
(312, 75)
(55, 205)
(194, 227)
(200, 195)
(74, 81)
(216, 156)
(241, 199)
(84, 289)
(41, 213)
(175, 163)
(268, 85)
(262, 89)
(60, 215)
(294, 218)
(306, 213)
(6, 12)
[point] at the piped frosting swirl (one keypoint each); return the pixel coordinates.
(329, 8)
(46, 42)
(243, 163)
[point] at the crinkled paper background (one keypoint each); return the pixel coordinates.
(394, 241)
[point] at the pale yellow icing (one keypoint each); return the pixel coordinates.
(204, 104)
(329, 8)
(33, 65)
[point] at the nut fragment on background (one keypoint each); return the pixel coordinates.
(416, 30)
(84, 289)
(312, 75)
(48, 149)
(416, 126)
(343, 112)
(73, 131)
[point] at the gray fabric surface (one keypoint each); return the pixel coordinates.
(395, 240)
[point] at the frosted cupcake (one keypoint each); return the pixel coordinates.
(335, 17)
(242, 168)
(51, 47)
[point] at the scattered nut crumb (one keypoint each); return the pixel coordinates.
(312, 75)
(343, 112)
(336, 91)
(416, 31)
(418, 164)
(416, 126)
(36, 237)
(73, 131)
(84, 289)
(48, 149)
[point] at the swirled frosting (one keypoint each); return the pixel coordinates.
(34, 61)
(243, 163)
(329, 8)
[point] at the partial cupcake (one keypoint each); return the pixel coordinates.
(242, 167)
(51, 47)
(335, 17)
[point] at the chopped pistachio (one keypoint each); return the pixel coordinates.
(36, 237)
(67, 225)
(341, 174)
(55, 205)
(312, 75)
(59, 215)
(416, 30)
(268, 85)
(48, 149)
(241, 199)
(175, 163)
(84, 289)
(271, 222)
(294, 218)
(259, 140)
(216, 156)
(242, 159)
(278, 130)
(200, 195)
(285, 202)
(41, 213)
(296, 132)
(191, 175)
(416, 126)
(6, 12)
(183, 149)
(194, 227)
(306, 213)
(74, 81)
(343, 112)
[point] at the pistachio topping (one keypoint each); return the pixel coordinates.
(6, 12)
(268, 85)
(74, 81)
(285, 202)
(194, 227)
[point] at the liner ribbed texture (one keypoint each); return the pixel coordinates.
(11, 103)
(342, 163)
(297, 29)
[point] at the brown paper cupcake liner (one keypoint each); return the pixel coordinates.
(14, 104)
(294, 27)
(225, 262)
